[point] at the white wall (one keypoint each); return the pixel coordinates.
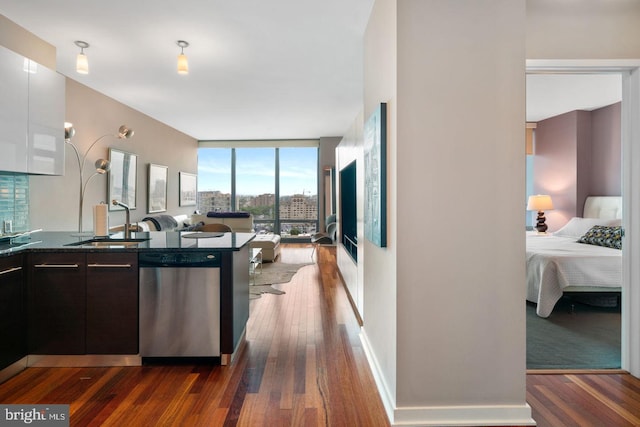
(451, 349)
(461, 323)
(380, 264)
(444, 318)
(589, 29)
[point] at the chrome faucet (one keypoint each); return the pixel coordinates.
(127, 222)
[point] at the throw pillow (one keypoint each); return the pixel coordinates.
(600, 235)
(577, 226)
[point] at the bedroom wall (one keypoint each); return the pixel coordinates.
(577, 154)
(606, 169)
(555, 167)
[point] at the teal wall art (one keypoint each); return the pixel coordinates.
(375, 177)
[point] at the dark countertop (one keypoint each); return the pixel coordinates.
(158, 240)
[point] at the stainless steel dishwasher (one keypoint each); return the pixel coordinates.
(179, 304)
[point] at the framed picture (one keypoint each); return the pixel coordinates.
(157, 192)
(122, 178)
(375, 177)
(188, 189)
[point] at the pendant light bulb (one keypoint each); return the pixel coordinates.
(183, 63)
(82, 63)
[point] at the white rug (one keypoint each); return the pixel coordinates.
(272, 273)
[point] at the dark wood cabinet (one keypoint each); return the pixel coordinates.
(112, 303)
(83, 303)
(57, 303)
(13, 330)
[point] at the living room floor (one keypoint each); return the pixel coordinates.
(302, 364)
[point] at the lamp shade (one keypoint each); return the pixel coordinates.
(102, 166)
(69, 131)
(82, 64)
(183, 64)
(540, 202)
(125, 132)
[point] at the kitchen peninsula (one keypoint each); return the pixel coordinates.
(75, 302)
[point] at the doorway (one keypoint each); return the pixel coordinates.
(630, 124)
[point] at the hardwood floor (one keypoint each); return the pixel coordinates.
(302, 365)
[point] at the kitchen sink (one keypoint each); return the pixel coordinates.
(108, 242)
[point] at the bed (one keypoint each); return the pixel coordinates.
(557, 263)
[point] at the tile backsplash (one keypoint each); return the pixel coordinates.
(14, 201)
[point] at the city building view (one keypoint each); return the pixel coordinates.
(298, 213)
(292, 214)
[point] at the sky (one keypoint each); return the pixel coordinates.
(255, 168)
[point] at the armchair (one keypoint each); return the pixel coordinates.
(328, 237)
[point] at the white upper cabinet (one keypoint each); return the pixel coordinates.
(32, 109)
(45, 143)
(14, 89)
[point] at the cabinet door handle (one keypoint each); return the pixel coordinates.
(109, 265)
(56, 266)
(10, 270)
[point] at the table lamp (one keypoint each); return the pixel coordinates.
(540, 203)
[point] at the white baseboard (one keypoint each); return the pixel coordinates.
(388, 398)
(497, 415)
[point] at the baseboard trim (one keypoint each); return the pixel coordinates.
(13, 369)
(496, 415)
(576, 371)
(83, 360)
(388, 399)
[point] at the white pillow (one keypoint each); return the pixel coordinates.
(576, 227)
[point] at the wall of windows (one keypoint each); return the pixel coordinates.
(278, 185)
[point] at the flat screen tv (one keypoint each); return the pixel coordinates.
(348, 210)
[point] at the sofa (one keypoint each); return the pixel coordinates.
(156, 223)
(242, 222)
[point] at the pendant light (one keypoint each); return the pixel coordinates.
(183, 64)
(82, 64)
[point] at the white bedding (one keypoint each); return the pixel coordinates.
(554, 263)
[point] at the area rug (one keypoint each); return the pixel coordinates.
(272, 273)
(574, 336)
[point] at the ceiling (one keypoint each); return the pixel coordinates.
(257, 69)
(285, 69)
(549, 95)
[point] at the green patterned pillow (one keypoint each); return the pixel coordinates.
(600, 235)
